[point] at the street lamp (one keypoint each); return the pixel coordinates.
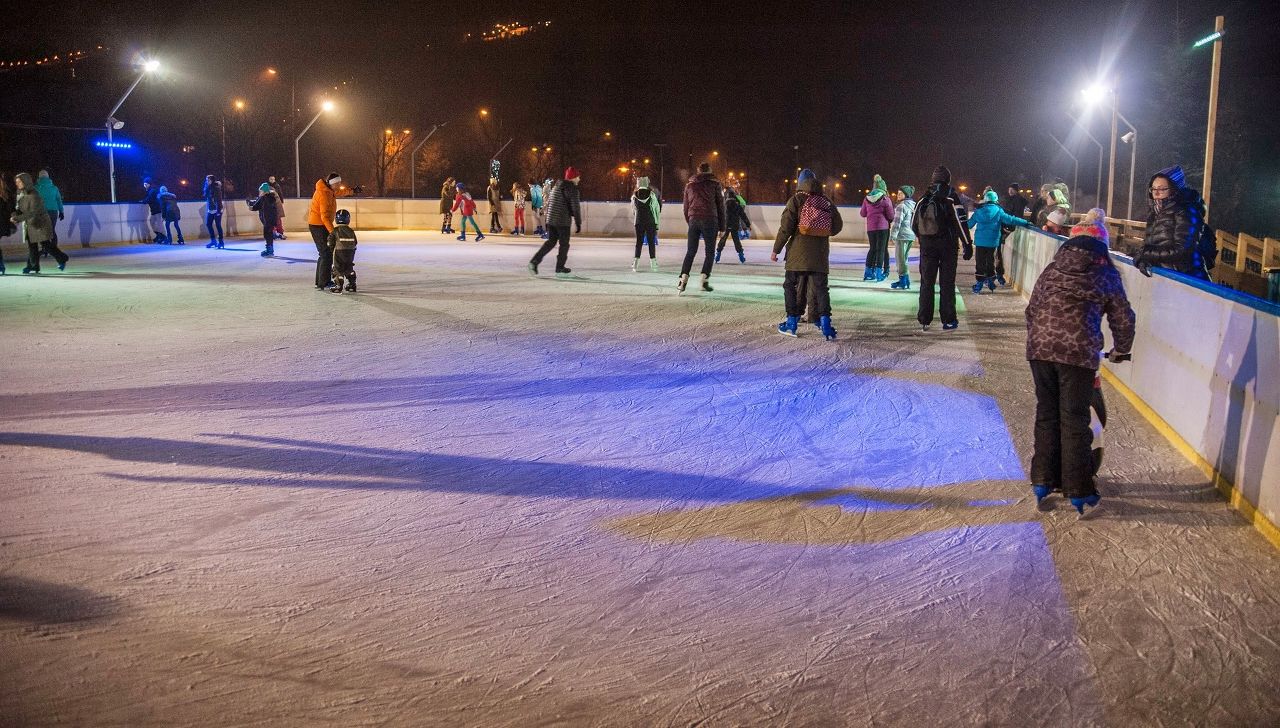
(1093, 94)
(413, 161)
(1099, 145)
(112, 124)
(297, 159)
(238, 105)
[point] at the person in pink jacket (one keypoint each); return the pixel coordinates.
(877, 208)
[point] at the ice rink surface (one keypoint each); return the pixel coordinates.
(464, 496)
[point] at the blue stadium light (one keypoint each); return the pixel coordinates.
(113, 145)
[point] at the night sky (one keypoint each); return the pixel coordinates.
(860, 88)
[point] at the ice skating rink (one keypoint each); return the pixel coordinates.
(468, 497)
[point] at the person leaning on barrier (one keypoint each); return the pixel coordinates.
(1064, 338)
(1176, 236)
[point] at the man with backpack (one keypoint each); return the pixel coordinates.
(940, 223)
(808, 222)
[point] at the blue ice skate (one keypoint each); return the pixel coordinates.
(788, 327)
(1080, 503)
(824, 325)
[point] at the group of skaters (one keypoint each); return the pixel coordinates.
(37, 207)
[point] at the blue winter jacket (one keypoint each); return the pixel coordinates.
(986, 221)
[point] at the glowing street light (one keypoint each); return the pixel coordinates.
(484, 112)
(325, 107)
(1207, 39)
(239, 104)
(150, 66)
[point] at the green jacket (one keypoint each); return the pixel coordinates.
(30, 209)
(808, 253)
(50, 193)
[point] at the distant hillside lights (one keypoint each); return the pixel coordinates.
(509, 31)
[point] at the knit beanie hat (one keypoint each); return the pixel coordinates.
(1094, 225)
(264, 188)
(941, 175)
(333, 178)
(878, 189)
(570, 173)
(908, 190)
(991, 196)
(642, 183)
(164, 190)
(806, 175)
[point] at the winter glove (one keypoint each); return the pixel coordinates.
(1116, 357)
(968, 251)
(61, 216)
(577, 230)
(1143, 266)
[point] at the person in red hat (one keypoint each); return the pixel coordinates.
(564, 206)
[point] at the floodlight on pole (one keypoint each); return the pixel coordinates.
(1214, 75)
(413, 159)
(150, 66)
(1207, 39)
(297, 159)
(1098, 189)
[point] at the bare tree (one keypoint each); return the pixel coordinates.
(389, 158)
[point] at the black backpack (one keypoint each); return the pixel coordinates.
(930, 220)
(1207, 246)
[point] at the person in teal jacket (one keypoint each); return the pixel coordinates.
(52, 197)
(985, 222)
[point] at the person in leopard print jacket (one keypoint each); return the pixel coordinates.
(1064, 338)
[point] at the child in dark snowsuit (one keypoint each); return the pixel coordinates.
(1064, 336)
(342, 240)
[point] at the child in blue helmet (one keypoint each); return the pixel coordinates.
(342, 240)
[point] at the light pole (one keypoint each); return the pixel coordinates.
(662, 169)
(112, 124)
(1093, 93)
(1132, 140)
(297, 159)
(1075, 177)
(413, 161)
(1099, 145)
(1216, 39)
(238, 105)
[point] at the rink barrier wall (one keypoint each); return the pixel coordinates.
(89, 225)
(1205, 372)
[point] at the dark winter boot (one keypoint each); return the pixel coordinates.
(269, 252)
(903, 284)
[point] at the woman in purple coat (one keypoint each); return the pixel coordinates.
(877, 208)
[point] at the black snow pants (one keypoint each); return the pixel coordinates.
(1063, 456)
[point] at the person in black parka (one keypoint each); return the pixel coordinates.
(1175, 226)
